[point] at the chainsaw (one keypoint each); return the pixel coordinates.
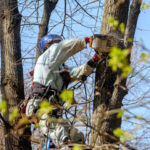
(103, 43)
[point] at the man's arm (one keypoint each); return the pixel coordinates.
(85, 69)
(59, 53)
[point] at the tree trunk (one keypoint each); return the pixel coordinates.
(11, 69)
(1, 16)
(108, 92)
(110, 87)
(43, 28)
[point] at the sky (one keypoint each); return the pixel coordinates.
(143, 27)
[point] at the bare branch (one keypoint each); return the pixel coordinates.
(84, 10)
(64, 18)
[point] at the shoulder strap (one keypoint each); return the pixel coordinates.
(65, 76)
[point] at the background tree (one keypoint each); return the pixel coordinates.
(12, 83)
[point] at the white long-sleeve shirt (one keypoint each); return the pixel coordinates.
(48, 65)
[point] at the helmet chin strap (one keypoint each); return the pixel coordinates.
(47, 45)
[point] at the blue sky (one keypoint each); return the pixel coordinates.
(143, 27)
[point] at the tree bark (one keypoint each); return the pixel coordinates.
(49, 6)
(11, 69)
(110, 89)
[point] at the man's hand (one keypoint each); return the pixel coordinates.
(102, 55)
(96, 58)
(94, 61)
(31, 72)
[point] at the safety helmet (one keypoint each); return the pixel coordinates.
(49, 39)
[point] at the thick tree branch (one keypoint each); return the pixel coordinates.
(49, 6)
(132, 22)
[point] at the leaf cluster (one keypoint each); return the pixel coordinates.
(67, 96)
(123, 135)
(118, 60)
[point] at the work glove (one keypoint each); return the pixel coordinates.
(96, 58)
(89, 40)
(102, 55)
(94, 61)
(31, 72)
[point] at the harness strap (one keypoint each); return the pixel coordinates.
(49, 94)
(43, 91)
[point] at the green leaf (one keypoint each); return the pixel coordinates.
(37, 125)
(120, 114)
(118, 132)
(144, 57)
(126, 71)
(118, 60)
(14, 114)
(122, 28)
(3, 106)
(145, 6)
(123, 135)
(67, 96)
(78, 147)
(138, 117)
(110, 20)
(45, 108)
(130, 40)
(113, 23)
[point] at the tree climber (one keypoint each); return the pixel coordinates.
(51, 76)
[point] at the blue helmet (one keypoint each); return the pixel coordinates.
(49, 39)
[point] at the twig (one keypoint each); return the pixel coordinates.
(84, 10)
(64, 18)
